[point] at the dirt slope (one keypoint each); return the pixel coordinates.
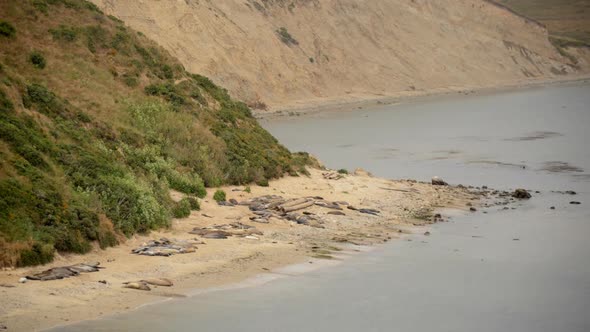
(345, 49)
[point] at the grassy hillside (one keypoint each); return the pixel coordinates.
(97, 123)
(565, 19)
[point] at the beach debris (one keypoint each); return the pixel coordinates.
(472, 209)
(9, 285)
(65, 271)
(22, 280)
(166, 247)
(328, 205)
(552, 208)
(436, 181)
(427, 233)
(332, 175)
(139, 285)
(274, 206)
(206, 215)
(224, 203)
(575, 203)
(165, 282)
(3, 327)
(103, 282)
(521, 194)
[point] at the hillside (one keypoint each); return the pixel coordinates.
(569, 19)
(283, 53)
(98, 123)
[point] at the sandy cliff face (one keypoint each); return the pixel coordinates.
(345, 49)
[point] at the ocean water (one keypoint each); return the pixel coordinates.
(523, 269)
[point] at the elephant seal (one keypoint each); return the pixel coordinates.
(139, 285)
(158, 282)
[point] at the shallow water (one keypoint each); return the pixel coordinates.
(517, 270)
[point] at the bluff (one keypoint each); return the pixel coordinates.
(285, 53)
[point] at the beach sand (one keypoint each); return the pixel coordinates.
(42, 304)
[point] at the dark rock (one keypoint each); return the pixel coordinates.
(436, 181)
(427, 233)
(575, 203)
(521, 194)
(552, 208)
(472, 209)
(233, 201)
(571, 192)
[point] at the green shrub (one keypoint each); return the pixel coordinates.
(194, 202)
(37, 255)
(40, 5)
(7, 29)
(219, 195)
(130, 81)
(262, 182)
(182, 209)
(247, 189)
(96, 36)
(64, 33)
(188, 183)
(342, 171)
(37, 59)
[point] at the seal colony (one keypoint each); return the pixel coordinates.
(324, 216)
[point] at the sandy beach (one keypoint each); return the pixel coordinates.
(362, 101)
(224, 261)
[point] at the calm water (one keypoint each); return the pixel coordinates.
(470, 275)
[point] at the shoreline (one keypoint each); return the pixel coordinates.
(368, 101)
(230, 262)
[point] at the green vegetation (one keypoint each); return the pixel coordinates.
(342, 171)
(182, 209)
(286, 37)
(37, 59)
(90, 149)
(248, 189)
(219, 195)
(194, 203)
(64, 33)
(7, 29)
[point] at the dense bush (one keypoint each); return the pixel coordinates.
(182, 209)
(86, 156)
(37, 59)
(219, 195)
(194, 203)
(64, 33)
(7, 29)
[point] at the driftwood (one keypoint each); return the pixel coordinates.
(301, 206)
(328, 205)
(294, 202)
(65, 271)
